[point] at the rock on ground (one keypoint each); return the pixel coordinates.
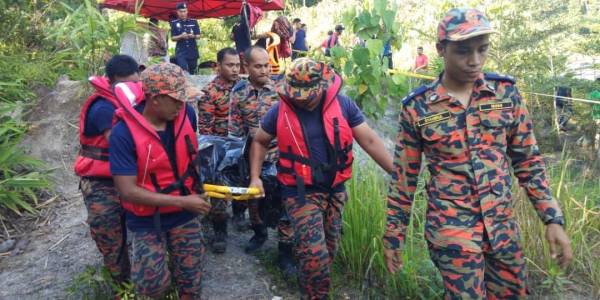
(61, 248)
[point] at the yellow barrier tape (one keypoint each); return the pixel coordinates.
(421, 76)
(411, 74)
(562, 97)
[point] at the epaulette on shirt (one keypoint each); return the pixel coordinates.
(499, 77)
(416, 92)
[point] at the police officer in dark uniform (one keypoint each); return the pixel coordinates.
(185, 31)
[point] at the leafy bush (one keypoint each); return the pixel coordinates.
(215, 36)
(363, 68)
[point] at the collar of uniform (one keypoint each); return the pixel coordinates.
(268, 86)
(222, 83)
(484, 86)
(438, 91)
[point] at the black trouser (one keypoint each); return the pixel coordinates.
(390, 62)
(187, 64)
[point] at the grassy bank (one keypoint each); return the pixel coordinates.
(360, 260)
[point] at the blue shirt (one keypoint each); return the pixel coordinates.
(300, 41)
(186, 47)
(387, 49)
(98, 117)
(123, 162)
(314, 130)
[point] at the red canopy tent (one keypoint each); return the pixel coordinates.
(197, 9)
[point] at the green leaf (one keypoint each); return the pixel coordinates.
(380, 6)
(348, 67)
(388, 18)
(360, 56)
(362, 88)
(375, 21)
(375, 47)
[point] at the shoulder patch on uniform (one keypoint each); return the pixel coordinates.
(416, 92)
(499, 77)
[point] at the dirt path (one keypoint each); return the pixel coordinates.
(61, 247)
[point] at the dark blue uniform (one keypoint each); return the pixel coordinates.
(186, 51)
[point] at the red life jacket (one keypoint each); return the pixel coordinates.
(155, 171)
(295, 166)
(92, 159)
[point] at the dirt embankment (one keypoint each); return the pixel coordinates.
(59, 245)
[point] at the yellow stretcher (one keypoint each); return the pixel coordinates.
(230, 192)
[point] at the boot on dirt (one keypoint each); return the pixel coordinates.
(240, 223)
(285, 260)
(219, 242)
(259, 238)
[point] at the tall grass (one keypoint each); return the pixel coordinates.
(90, 37)
(79, 40)
(19, 180)
(360, 259)
(578, 191)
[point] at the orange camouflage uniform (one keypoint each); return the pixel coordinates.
(247, 106)
(213, 115)
(213, 107)
(469, 152)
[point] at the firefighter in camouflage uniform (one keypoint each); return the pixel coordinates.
(472, 127)
(213, 115)
(250, 99)
(315, 126)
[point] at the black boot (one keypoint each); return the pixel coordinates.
(219, 242)
(285, 260)
(259, 238)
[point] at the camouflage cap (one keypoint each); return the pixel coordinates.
(306, 80)
(460, 24)
(166, 79)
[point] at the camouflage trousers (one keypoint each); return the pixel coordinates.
(106, 224)
(179, 250)
(485, 275)
(317, 224)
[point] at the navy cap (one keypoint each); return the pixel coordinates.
(181, 5)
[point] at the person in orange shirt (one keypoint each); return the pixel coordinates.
(421, 62)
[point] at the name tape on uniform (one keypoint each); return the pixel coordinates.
(434, 118)
(495, 106)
